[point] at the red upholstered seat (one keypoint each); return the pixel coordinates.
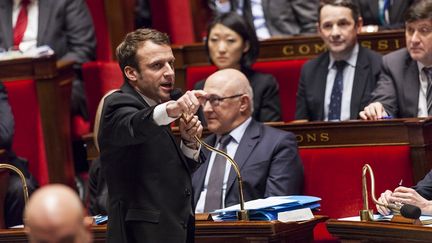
(334, 174)
(100, 77)
(28, 139)
(286, 72)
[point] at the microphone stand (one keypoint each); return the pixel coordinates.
(243, 214)
(22, 177)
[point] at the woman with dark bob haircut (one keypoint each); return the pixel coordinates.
(232, 43)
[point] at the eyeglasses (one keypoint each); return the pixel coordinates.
(215, 100)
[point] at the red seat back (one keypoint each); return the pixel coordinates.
(103, 47)
(334, 175)
(286, 72)
(99, 78)
(28, 139)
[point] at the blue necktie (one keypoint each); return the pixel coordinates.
(383, 11)
(336, 94)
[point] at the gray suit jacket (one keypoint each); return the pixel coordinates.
(369, 11)
(398, 87)
(64, 25)
(286, 17)
(269, 164)
(313, 79)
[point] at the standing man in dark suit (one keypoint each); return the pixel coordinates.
(267, 157)
(14, 201)
(273, 17)
(403, 89)
(385, 14)
(337, 84)
(148, 174)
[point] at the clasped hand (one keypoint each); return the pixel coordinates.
(403, 195)
(186, 107)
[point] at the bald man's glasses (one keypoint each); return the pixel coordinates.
(215, 100)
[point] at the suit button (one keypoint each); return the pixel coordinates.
(187, 192)
(183, 224)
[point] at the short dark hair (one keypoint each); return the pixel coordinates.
(419, 10)
(243, 28)
(126, 51)
(355, 12)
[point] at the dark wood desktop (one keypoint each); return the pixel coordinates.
(216, 232)
(371, 232)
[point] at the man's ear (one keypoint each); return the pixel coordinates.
(131, 73)
(244, 103)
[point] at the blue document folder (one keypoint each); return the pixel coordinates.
(268, 208)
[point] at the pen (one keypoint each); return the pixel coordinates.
(400, 182)
(386, 117)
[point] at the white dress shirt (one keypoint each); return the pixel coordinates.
(348, 80)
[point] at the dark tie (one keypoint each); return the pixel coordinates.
(428, 73)
(336, 94)
(213, 198)
(21, 24)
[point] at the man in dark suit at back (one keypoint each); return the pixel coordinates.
(404, 88)
(267, 157)
(337, 84)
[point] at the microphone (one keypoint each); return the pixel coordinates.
(242, 214)
(410, 212)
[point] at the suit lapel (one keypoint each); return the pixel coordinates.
(244, 150)
(359, 83)
(6, 22)
(396, 9)
(411, 87)
(320, 83)
(44, 16)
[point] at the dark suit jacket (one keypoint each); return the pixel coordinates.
(266, 95)
(399, 86)
(148, 178)
(269, 164)
(286, 17)
(64, 25)
(424, 187)
(313, 79)
(369, 11)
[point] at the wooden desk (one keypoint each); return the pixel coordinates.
(216, 232)
(286, 48)
(53, 82)
(349, 231)
(414, 132)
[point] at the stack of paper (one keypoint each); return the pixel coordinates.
(268, 208)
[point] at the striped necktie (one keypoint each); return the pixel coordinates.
(213, 198)
(428, 72)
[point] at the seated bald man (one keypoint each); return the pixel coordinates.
(268, 158)
(55, 214)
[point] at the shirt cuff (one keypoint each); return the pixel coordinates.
(160, 115)
(190, 153)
